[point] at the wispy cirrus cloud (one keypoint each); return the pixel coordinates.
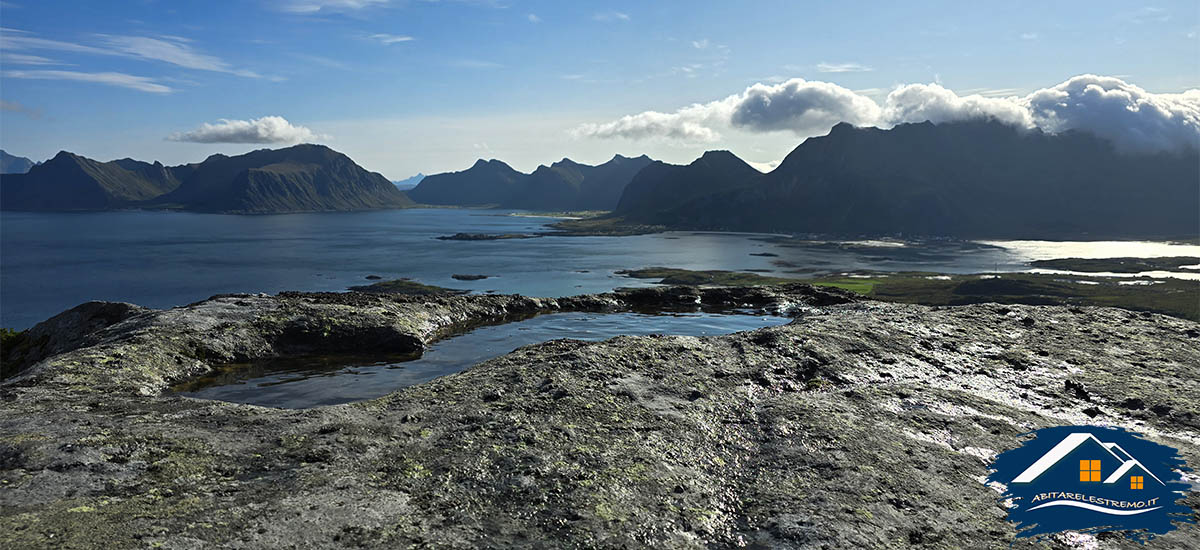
(843, 68)
(476, 64)
(170, 49)
(610, 16)
(533, 18)
(267, 129)
(14, 107)
(121, 80)
(19, 40)
(389, 39)
(167, 49)
(319, 6)
(8, 58)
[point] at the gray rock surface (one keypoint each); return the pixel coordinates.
(859, 425)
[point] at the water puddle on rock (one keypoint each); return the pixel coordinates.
(299, 383)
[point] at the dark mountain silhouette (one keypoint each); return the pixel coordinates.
(71, 182)
(10, 164)
(488, 182)
(303, 178)
(963, 179)
(564, 185)
(660, 186)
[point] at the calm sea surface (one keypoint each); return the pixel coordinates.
(51, 262)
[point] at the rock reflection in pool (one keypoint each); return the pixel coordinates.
(299, 383)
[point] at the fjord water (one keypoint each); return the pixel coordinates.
(311, 382)
(52, 261)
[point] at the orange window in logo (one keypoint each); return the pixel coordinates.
(1135, 482)
(1089, 470)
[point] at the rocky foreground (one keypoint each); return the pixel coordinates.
(859, 425)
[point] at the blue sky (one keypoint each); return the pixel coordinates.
(408, 86)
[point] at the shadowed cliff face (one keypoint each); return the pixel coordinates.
(859, 425)
(967, 179)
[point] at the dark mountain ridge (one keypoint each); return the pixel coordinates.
(660, 186)
(975, 179)
(302, 178)
(487, 182)
(72, 182)
(564, 185)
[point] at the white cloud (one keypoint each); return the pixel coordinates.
(1109, 107)
(611, 16)
(533, 18)
(14, 107)
(1119, 111)
(802, 107)
(316, 6)
(1029, 36)
(268, 129)
(797, 105)
(700, 44)
(477, 64)
(14, 39)
(140, 83)
(932, 102)
(168, 49)
(389, 39)
(690, 124)
(1147, 14)
(764, 167)
(8, 58)
(843, 68)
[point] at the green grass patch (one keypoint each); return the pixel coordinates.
(861, 286)
(687, 277)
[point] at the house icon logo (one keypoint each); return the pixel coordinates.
(1092, 479)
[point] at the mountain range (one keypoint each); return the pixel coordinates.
(10, 164)
(302, 178)
(564, 185)
(975, 179)
(964, 179)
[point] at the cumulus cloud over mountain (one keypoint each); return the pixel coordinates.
(932, 102)
(801, 106)
(268, 129)
(1129, 116)
(1122, 112)
(692, 123)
